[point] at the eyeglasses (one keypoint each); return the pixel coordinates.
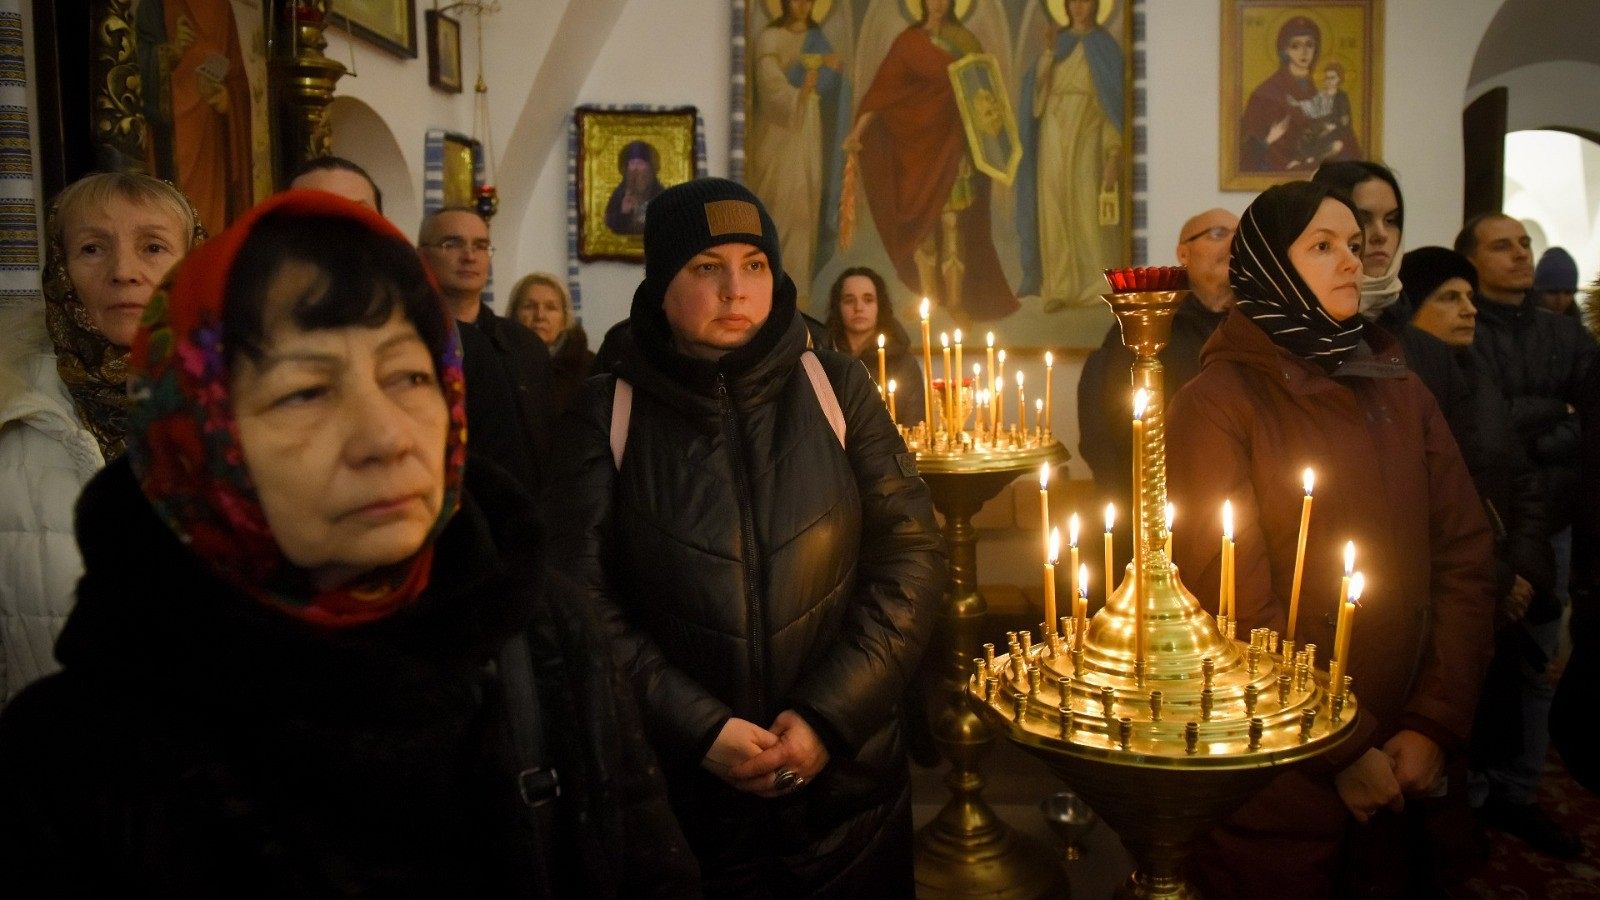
(1215, 233)
(458, 245)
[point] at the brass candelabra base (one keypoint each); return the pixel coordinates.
(966, 850)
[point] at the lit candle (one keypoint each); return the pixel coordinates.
(1038, 419)
(1309, 478)
(1141, 400)
(1225, 591)
(883, 366)
(1000, 393)
(1044, 499)
(1076, 572)
(1111, 521)
(1080, 605)
(956, 403)
(1049, 384)
(989, 372)
(1022, 406)
(977, 412)
(927, 371)
(1171, 514)
(1053, 551)
(947, 410)
(892, 417)
(1341, 636)
(984, 410)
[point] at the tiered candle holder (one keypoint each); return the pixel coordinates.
(1157, 716)
(966, 850)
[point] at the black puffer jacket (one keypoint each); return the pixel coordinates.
(198, 744)
(1540, 359)
(747, 565)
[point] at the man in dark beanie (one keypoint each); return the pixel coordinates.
(1510, 736)
(1555, 282)
(748, 523)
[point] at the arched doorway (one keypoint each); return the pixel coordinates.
(1536, 69)
(361, 136)
(1552, 184)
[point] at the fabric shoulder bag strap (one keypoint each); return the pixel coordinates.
(622, 407)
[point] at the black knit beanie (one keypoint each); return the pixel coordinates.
(687, 218)
(1425, 268)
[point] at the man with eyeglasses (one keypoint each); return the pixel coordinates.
(507, 367)
(1105, 398)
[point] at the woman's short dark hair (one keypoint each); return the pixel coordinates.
(332, 163)
(1347, 174)
(836, 296)
(366, 276)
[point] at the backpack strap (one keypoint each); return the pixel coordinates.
(622, 406)
(825, 395)
(621, 414)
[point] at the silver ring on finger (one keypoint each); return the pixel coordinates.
(786, 779)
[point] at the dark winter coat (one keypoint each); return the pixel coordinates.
(570, 364)
(1570, 712)
(1389, 477)
(746, 565)
(901, 360)
(509, 399)
(1539, 359)
(201, 744)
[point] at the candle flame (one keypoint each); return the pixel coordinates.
(977, 370)
(1349, 557)
(924, 309)
(1358, 584)
(1171, 513)
(881, 340)
(1002, 357)
(1019, 379)
(1309, 478)
(1083, 580)
(944, 339)
(1227, 519)
(1141, 401)
(1049, 359)
(1072, 530)
(891, 385)
(958, 335)
(1055, 545)
(1044, 476)
(989, 339)
(1038, 406)
(1111, 516)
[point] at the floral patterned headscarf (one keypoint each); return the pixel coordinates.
(94, 370)
(183, 441)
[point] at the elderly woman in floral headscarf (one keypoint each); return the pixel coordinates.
(63, 394)
(311, 653)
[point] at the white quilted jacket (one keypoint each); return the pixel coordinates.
(46, 457)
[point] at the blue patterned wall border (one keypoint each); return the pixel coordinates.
(20, 246)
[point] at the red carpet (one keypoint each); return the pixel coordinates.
(1514, 869)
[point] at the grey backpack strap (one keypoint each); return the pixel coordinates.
(621, 413)
(825, 395)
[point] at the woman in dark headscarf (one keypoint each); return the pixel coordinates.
(64, 392)
(1294, 378)
(310, 654)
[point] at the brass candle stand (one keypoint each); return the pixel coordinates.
(1161, 747)
(966, 850)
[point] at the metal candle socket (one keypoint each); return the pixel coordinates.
(1071, 819)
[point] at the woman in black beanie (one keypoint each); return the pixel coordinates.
(745, 519)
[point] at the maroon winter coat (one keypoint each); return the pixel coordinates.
(1390, 478)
